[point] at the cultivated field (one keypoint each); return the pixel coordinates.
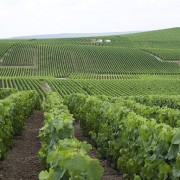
(123, 94)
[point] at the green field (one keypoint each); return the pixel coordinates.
(142, 57)
(69, 58)
(125, 93)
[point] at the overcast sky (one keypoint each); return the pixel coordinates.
(34, 17)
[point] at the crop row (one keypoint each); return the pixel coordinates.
(160, 100)
(141, 148)
(116, 87)
(13, 116)
(6, 92)
(122, 87)
(63, 156)
(16, 71)
(104, 76)
(4, 47)
(166, 54)
(59, 60)
(22, 84)
(164, 114)
(19, 56)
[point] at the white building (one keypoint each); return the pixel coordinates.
(107, 40)
(99, 40)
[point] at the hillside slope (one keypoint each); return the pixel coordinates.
(171, 34)
(155, 52)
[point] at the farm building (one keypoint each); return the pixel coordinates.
(99, 40)
(107, 40)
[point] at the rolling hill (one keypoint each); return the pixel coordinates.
(128, 104)
(139, 56)
(155, 52)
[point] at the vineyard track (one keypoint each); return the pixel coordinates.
(109, 172)
(158, 58)
(46, 87)
(161, 60)
(22, 162)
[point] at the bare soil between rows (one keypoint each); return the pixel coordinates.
(109, 172)
(22, 162)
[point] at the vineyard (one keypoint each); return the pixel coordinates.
(114, 87)
(107, 109)
(69, 58)
(62, 61)
(143, 144)
(13, 115)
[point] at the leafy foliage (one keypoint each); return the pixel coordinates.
(162, 101)
(13, 111)
(160, 114)
(84, 57)
(62, 155)
(140, 147)
(6, 92)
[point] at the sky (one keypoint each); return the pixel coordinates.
(35, 17)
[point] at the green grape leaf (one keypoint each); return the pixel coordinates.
(176, 168)
(176, 172)
(176, 138)
(136, 177)
(44, 175)
(95, 171)
(58, 173)
(78, 163)
(86, 147)
(164, 171)
(58, 125)
(172, 152)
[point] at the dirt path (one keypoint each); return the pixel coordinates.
(109, 172)
(157, 58)
(161, 60)
(46, 87)
(61, 78)
(22, 162)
